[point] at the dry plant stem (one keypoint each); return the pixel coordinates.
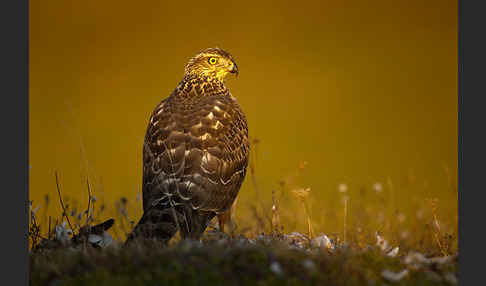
(437, 239)
(62, 204)
(33, 232)
(438, 233)
(255, 186)
(93, 216)
(253, 180)
(345, 216)
(253, 175)
(122, 217)
(392, 202)
(309, 223)
(275, 215)
(49, 230)
(117, 234)
(447, 170)
(89, 201)
(233, 216)
(260, 221)
(44, 216)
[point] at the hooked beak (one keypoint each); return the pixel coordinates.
(234, 69)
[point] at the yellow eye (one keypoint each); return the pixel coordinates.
(212, 61)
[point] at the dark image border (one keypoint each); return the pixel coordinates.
(471, 155)
(14, 20)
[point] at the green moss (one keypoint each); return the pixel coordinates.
(211, 264)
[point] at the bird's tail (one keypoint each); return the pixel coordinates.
(163, 223)
(156, 223)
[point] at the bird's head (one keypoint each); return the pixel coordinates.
(212, 63)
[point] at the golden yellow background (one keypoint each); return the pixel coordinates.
(363, 91)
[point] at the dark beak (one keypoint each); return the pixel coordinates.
(234, 69)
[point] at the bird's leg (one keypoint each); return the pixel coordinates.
(227, 218)
(223, 219)
(197, 221)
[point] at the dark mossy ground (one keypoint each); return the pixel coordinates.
(266, 261)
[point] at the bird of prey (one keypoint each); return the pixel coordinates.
(195, 152)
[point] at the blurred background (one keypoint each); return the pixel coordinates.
(355, 100)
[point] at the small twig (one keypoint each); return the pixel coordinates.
(89, 201)
(44, 216)
(49, 233)
(392, 202)
(34, 232)
(62, 204)
(260, 222)
(275, 215)
(345, 216)
(121, 216)
(309, 223)
(438, 233)
(252, 167)
(93, 216)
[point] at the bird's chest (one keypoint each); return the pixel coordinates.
(203, 125)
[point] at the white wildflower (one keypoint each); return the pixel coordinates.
(33, 211)
(441, 259)
(342, 188)
(100, 240)
(393, 252)
(297, 239)
(322, 242)
(94, 238)
(62, 233)
(383, 246)
(394, 276)
(415, 258)
(377, 187)
(276, 268)
(381, 242)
